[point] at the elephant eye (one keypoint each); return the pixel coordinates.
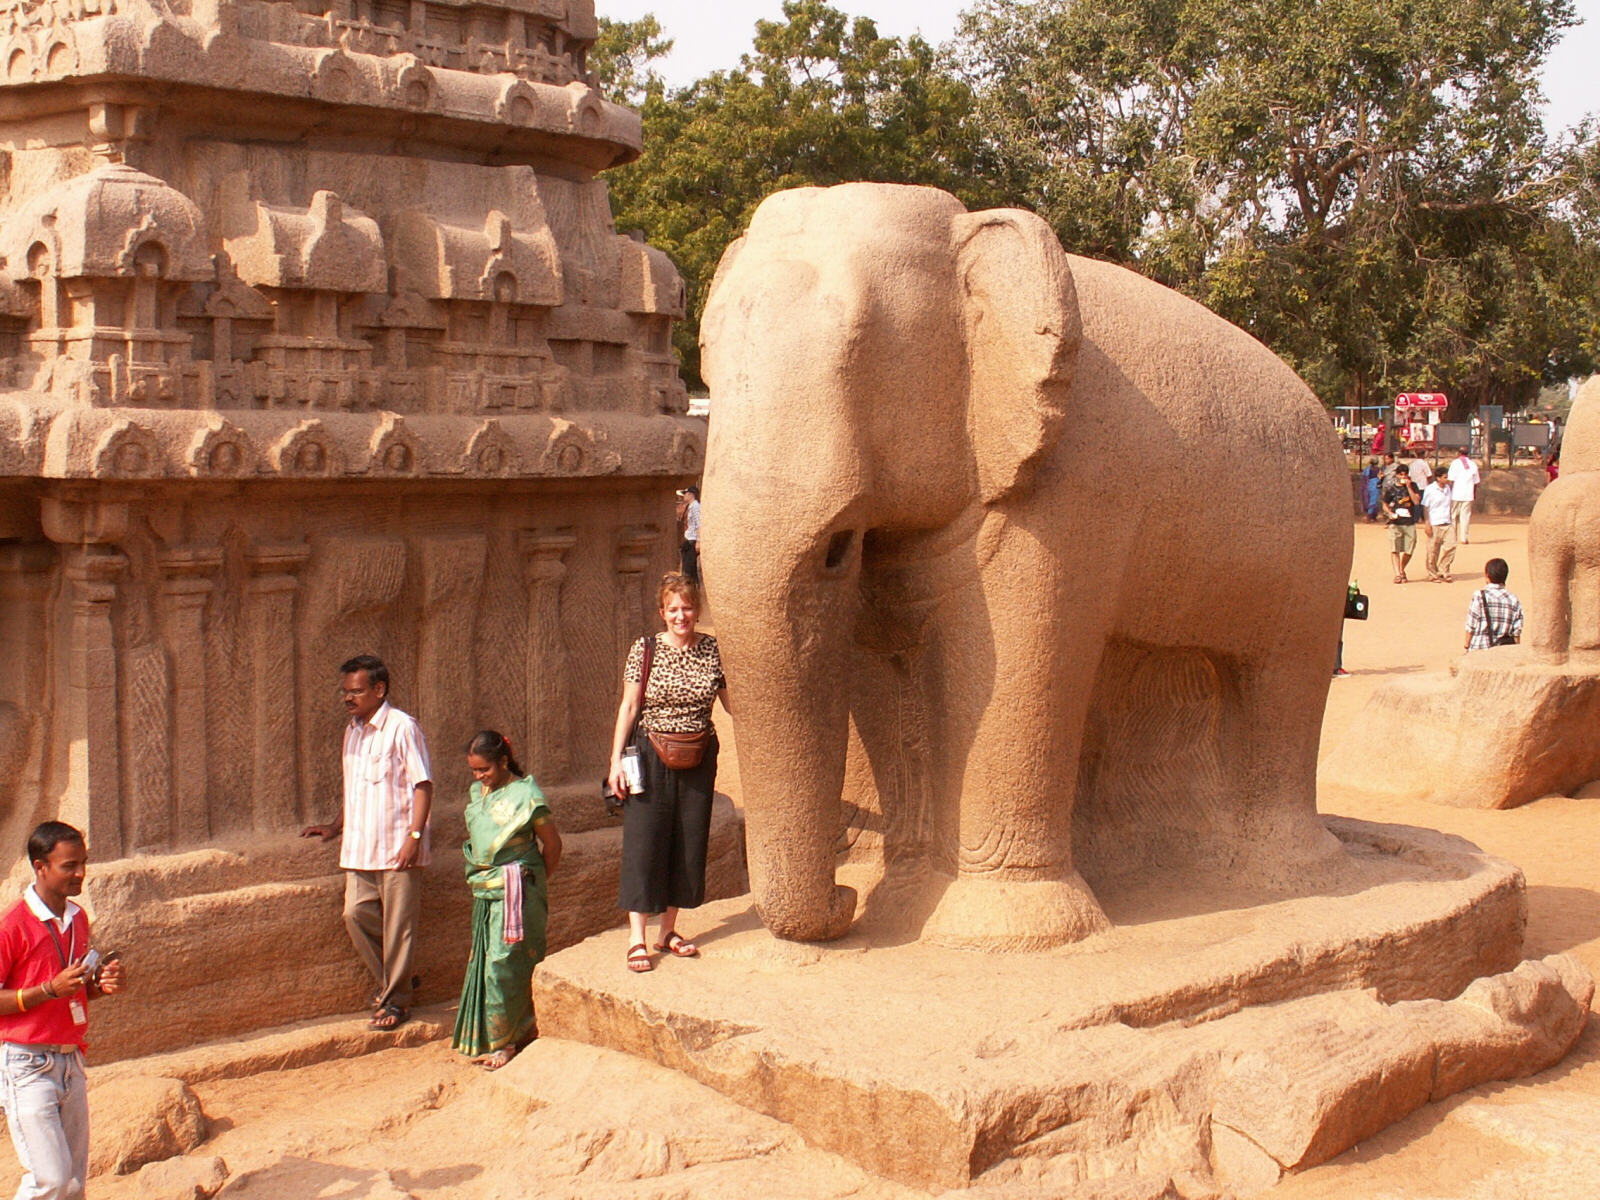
(838, 549)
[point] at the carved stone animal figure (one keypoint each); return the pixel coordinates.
(1100, 536)
(1564, 543)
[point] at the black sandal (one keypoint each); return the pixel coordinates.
(388, 1017)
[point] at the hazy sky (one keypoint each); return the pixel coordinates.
(713, 33)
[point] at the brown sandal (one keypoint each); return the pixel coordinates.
(639, 959)
(678, 946)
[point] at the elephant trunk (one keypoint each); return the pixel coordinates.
(785, 604)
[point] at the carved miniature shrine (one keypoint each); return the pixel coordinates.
(316, 338)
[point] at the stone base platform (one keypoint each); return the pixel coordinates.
(243, 936)
(1502, 728)
(1180, 1055)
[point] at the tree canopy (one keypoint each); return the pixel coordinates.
(1365, 185)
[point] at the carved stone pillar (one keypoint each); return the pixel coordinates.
(549, 704)
(634, 550)
(186, 580)
(27, 709)
(93, 797)
(269, 634)
(452, 570)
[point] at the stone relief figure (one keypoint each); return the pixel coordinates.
(1059, 490)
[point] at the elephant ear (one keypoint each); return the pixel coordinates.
(1023, 332)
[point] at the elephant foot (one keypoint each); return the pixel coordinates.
(820, 923)
(979, 913)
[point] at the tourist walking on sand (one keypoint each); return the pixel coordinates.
(1389, 469)
(1400, 503)
(512, 848)
(670, 681)
(1419, 470)
(1464, 480)
(1440, 531)
(388, 793)
(1494, 618)
(49, 975)
(1369, 490)
(689, 547)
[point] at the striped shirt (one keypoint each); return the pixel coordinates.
(384, 760)
(1493, 614)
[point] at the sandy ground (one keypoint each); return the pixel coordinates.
(419, 1122)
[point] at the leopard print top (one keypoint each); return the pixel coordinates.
(683, 684)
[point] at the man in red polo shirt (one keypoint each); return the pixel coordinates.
(45, 988)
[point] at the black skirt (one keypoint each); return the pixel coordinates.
(665, 830)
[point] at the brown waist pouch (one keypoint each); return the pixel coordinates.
(680, 751)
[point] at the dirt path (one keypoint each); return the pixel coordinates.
(566, 1120)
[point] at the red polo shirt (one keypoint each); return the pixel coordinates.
(29, 959)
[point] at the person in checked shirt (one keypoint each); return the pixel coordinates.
(388, 792)
(1494, 618)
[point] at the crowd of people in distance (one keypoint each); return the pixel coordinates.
(1409, 497)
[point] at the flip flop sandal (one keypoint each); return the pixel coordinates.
(493, 1062)
(678, 946)
(639, 959)
(388, 1017)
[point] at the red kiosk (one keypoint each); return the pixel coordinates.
(1416, 413)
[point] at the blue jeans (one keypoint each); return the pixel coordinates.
(47, 1110)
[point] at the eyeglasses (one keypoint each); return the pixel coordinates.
(352, 693)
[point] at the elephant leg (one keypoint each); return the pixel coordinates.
(1271, 733)
(1556, 583)
(1024, 693)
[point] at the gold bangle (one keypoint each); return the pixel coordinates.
(21, 1007)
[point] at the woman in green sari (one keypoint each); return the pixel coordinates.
(512, 846)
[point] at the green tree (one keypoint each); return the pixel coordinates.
(821, 98)
(1363, 184)
(622, 54)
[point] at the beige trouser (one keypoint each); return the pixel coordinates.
(1441, 549)
(1461, 518)
(380, 911)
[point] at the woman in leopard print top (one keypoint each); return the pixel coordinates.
(666, 828)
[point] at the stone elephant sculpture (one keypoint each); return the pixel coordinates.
(1563, 618)
(1100, 536)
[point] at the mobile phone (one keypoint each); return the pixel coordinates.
(95, 962)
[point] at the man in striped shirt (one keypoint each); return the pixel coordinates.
(388, 791)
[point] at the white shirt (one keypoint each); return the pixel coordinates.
(40, 909)
(1420, 473)
(384, 760)
(691, 522)
(1463, 479)
(1436, 499)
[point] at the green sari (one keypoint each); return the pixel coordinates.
(497, 993)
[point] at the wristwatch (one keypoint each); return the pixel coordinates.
(416, 834)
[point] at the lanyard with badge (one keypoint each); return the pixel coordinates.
(80, 1015)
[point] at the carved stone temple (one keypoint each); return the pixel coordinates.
(316, 338)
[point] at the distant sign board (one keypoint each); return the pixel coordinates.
(1422, 400)
(1530, 435)
(1452, 435)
